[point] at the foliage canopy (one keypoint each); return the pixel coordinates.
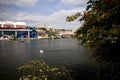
(101, 23)
(101, 31)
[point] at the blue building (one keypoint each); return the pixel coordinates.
(16, 29)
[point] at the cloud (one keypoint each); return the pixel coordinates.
(6, 14)
(73, 2)
(21, 3)
(56, 19)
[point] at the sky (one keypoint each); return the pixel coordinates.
(34, 12)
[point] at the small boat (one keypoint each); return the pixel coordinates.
(22, 40)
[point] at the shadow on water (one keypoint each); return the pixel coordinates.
(61, 52)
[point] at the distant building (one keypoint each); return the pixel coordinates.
(63, 33)
(16, 29)
(41, 33)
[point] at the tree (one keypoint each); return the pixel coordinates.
(43, 28)
(52, 33)
(101, 31)
(101, 22)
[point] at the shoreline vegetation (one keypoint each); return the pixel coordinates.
(40, 70)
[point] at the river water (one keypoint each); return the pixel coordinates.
(57, 52)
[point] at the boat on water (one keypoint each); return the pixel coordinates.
(22, 40)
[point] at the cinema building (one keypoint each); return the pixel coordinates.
(9, 29)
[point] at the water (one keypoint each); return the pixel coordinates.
(58, 52)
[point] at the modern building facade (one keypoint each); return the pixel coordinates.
(16, 29)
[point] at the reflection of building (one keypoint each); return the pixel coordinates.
(16, 29)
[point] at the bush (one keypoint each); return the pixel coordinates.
(39, 70)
